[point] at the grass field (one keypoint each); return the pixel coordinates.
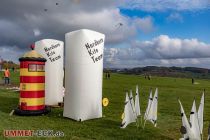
(169, 120)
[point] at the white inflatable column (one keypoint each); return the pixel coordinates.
(52, 50)
(83, 75)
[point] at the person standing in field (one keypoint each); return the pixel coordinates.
(6, 76)
(109, 75)
(193, 81)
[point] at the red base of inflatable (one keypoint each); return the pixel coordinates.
(20, 112)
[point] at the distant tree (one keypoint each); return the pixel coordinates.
(9, 65)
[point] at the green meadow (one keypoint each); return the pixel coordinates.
(108, 127)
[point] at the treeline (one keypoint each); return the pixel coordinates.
(8, 64)
(187, 72)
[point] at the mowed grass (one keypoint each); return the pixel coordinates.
(108, 127)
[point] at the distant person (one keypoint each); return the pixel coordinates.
(148, 77)
(193, 81)
(6, 76)
(109, 75)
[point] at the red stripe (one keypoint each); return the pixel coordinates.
(24, 64)
(39, 107)
(32, 94)
(32, 79)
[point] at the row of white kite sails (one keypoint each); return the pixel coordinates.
(132, 109)
(192, 129)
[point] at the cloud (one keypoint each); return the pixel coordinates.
(11, 53)
(14, 34)
(144, 24)
(175, 17)
(28, 22)
(162, 5)
(188, 62)
(24, 22)
(163, 47)
(37, 32)
(104, 21)
(161, 50)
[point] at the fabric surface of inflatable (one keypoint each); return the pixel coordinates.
(52, 50)
(83, 74)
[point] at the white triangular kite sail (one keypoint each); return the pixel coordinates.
(129, 115)
(137, 105)
(200, 113)
(185, 124)
(148, 105)
(132, 101)
(194, 122)
(152, 114)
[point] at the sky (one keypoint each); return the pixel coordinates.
(138, 32)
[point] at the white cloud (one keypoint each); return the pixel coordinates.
(37, 32)
(188, 62)
(175, 17)
(162, 50)
(161, 5)
(29, 22)
(144, 24)
(171, 48)
(104, 21)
